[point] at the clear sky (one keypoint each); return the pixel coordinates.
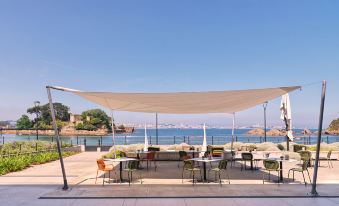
(164, 46)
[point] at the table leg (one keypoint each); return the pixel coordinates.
(120, 171)
(204, 165)
(281, 172)
(251, 164)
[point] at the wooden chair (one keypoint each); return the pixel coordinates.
(102, 166)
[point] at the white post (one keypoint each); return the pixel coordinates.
(113, 134)
(233, 125)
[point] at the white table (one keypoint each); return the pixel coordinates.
(121, 160)
(204, 161)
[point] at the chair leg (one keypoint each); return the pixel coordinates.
(141, 178)
(109, 177)
(220, 179)
(103, 180)
(293, 176)
(96, 177)
(263, 178)
(269, 175)
(309, 177)
(129, 179)
(228, 177)
(304, 177)
(182, 176)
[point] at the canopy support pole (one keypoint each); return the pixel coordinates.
(51, 107)
(265, 128)
(156, 129)
(233, 125)
(113, 135)
(320, 126)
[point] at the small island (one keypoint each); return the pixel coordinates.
(333, 129)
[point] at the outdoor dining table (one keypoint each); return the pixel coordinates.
(121, 160)
(204, 161)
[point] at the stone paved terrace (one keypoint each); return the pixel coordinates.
(41, 184)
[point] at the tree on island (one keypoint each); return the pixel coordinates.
(61, 112)
(94, 119)
(24, 122)
(334, 126)
(44, 120)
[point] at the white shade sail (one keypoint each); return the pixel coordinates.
(184, 102)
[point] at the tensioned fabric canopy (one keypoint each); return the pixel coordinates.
(184, 102)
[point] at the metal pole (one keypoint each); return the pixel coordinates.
(265, 106)
(156, 129)
(113, 134)
(320, 126)
(51, 107)
(233, 125)
(36, 104)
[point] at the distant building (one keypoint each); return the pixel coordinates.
(75, 119)
(7, 124)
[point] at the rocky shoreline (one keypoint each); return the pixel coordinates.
(64, 132)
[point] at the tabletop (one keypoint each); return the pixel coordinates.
(206, 159)
(122, 159)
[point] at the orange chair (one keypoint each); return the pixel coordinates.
(102, 166)
(151, 158)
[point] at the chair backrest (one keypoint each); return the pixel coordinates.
(305, 165)
(271, 164)
(123, 154)
(305, 155)
(222, 164)
(151, 155)
(188, 164)
(182, 154)
(101, 164)
(246, 156)
(329, 154)
(133, 165)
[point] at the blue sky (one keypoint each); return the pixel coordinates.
(164, 46)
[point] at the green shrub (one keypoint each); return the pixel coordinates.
(299, 147)
(154, 149)
(17, 147)
(17, 163)
(281, 147)
(118, 154)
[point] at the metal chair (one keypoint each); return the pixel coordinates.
(189, 166)
(327, 158)
(182, 156)
(102, 166)
(222, 167)
(301, 169)
(151, 158)
(271, 166)
(132, 166)
(245, 157)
